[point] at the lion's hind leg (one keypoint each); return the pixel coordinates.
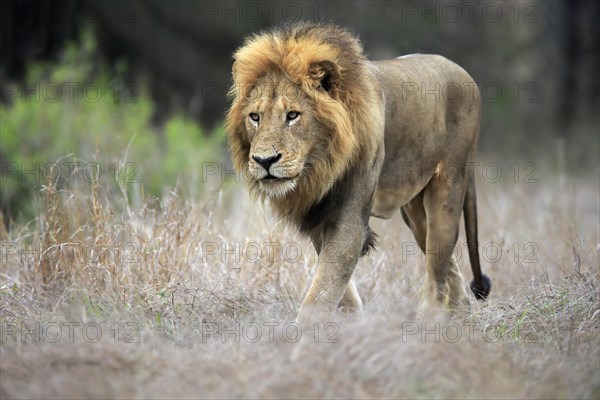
(444, 287)
(452, 293)
(414, 215)
(458, 298)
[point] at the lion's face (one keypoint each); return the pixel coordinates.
(282, 131)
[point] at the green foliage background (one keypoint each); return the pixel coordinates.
(103, 132)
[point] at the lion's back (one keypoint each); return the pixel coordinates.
(426, 97)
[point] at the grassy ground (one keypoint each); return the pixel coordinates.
(174, 299)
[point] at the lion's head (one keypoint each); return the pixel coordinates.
(298, 119)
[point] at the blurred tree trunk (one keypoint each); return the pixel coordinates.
(568, 83)
(32, 30)
(580, 57)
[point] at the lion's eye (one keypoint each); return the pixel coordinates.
(254, 117)
(292, 115)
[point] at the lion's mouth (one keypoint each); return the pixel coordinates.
(277, 187)
(270, 177)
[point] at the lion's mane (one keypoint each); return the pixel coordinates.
(329, 65)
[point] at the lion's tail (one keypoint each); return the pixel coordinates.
(481, 285)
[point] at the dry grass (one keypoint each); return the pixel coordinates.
(153, 279)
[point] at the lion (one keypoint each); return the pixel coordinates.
(331, 139)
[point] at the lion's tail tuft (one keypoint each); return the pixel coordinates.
(481, 292)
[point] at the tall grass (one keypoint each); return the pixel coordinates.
(180, 298)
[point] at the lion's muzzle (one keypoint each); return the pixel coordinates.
(267, 162)
(273, 175)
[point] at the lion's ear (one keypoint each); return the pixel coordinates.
(327, 75)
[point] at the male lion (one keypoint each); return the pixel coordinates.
(332, 139)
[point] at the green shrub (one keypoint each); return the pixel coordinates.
(98, 125)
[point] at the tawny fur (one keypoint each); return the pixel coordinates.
(367, 139)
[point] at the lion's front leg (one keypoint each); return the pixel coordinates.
(351, 301)
(332, 282)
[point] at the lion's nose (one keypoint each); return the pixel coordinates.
(267, 162)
